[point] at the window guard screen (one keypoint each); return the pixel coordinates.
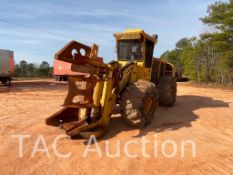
(130, 50)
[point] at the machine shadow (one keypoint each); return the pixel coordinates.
(167, 118)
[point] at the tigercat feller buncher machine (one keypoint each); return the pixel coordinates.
(136, 81)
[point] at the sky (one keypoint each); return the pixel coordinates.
(36, 30)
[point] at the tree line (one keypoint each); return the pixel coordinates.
(25, 69)
(209, 57)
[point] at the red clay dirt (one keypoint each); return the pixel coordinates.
(203, 115)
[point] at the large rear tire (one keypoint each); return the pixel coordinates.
(138, 103)
(167, 91)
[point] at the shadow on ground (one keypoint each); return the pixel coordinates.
(24, 86)
(167, 118)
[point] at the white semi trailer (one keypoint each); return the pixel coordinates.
(6, 66)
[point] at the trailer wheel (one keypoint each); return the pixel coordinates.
(55, 77)
(138, 103)
(65, 78)
(9, 82)
(4, 81)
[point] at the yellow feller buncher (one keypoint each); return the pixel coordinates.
(136, 81)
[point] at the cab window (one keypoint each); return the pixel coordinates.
(130, 50)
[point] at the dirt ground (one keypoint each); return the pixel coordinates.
(202, 115)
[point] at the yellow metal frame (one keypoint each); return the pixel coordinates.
(140, 71)
(108, 83)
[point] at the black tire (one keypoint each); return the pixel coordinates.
(56, 78)
(167, 91)
(60, 78)
(65, 78)
(134, 100)
(9, 82)
(4, 81)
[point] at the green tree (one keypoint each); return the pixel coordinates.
(23, 68)
(44, 69)
(172, 57)
(208, 58)
(32, 70)
(220, 17)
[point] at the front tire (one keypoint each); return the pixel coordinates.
(138, 103)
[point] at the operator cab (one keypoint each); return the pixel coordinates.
(135, 45)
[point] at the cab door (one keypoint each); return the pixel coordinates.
(149, 48)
